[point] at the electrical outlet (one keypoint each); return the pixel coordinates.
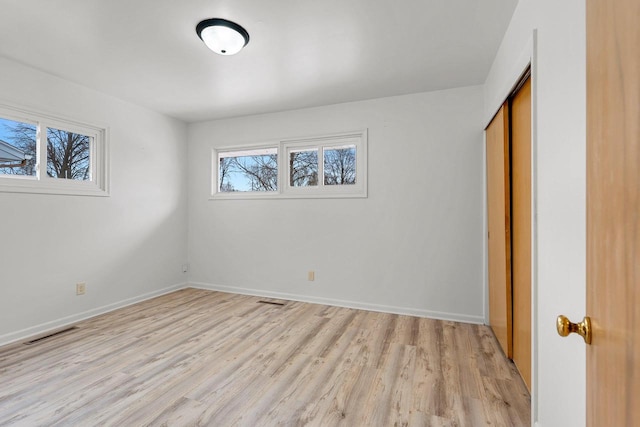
(311, 276)
(81, 288)
(185, 267)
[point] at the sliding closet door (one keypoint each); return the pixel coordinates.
(499, 227)
(521, 228)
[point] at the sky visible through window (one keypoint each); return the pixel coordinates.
(257, 170)
(5, 129)
(68, 153)
(21, 136)
(237, 178)
(251, 170)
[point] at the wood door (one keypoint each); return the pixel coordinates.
(613, 212)
(521, 228)
(499, 226)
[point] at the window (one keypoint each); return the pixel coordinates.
(17, 148)
(45, 154)
(303, 167)
(248, 170)
(340, 165)
(68, 155)
(319, 167)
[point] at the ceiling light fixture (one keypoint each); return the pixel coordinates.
(222, 36)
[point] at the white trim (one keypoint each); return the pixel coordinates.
(456, 317)
(534, 227)
(485, 232)
(359, 139)
(234, 151)
(508, 85)
(252, 152)
(41, 183)
(23, 334)
(57, 324)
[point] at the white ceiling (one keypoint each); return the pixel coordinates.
(302, 53)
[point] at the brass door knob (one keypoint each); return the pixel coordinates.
(566, 327)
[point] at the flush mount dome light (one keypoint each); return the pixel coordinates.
(222, 36)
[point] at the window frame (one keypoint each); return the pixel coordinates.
(359, 139)
(41, 183)
(215, 174)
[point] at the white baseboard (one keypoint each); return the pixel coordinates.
(69, 320)
(342, 303)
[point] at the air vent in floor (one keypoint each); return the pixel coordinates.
(51, 335)
(271, 302)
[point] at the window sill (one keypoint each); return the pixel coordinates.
(294, 195)
(32, 186)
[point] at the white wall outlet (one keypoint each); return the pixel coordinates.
(185, 267)
(81, 288)
(311, 276)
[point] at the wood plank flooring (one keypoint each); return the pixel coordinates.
(197, 357)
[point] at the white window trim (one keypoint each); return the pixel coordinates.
(285, 190)
(43, 184)
(215, 173)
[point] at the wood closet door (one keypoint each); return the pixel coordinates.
(521, 228)
(499, 228)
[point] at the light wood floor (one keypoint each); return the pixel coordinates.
(197, 357)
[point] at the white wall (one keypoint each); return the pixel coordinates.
(125, 247)
(414, 245)
(559, 75)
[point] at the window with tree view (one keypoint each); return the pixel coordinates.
(68, 155)
(303, 167)
(320, 167)
(340, 165)
(248, 170)
(17, 148)
(43, 154)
